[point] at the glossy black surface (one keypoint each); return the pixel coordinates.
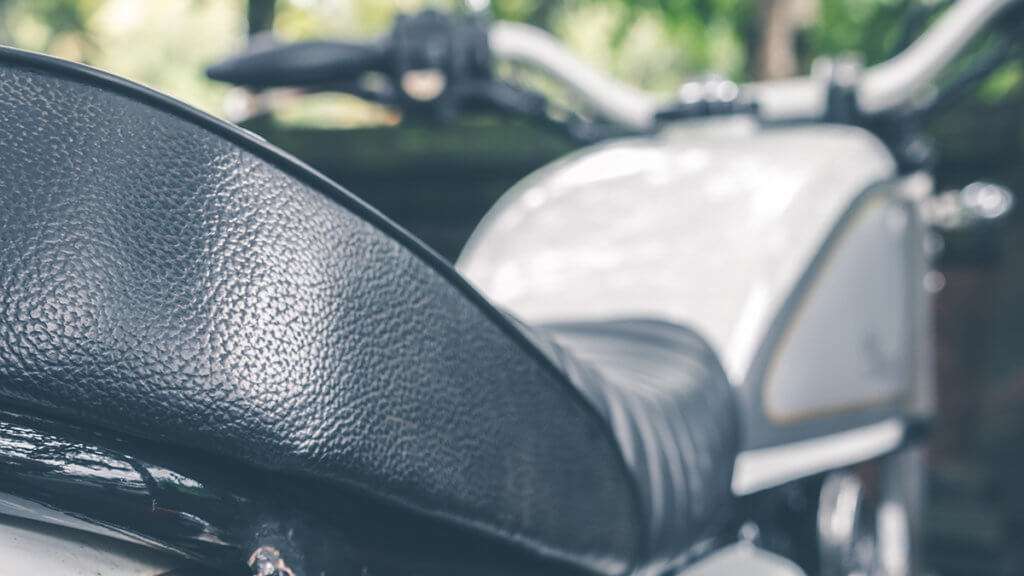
(98, 483)
(220, 516)
(673, 412)
(168, 277)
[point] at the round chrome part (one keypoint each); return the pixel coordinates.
(873, 532)
(424, 85)
(976, 204)
(900, 514)
(987, 201)
(844, 538)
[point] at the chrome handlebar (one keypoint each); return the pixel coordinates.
(615, 101)
(879, 89)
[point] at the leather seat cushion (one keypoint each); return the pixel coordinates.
(666, 397)
(169, 277)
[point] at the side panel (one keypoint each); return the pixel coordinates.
(838, 370)
(847, 342)
(842, 342)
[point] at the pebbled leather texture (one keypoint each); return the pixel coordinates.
(673, 412)
(169, 278)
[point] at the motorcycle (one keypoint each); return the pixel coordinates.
(698, 346)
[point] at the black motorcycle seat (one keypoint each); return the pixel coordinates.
(662, 390)
(173, 278)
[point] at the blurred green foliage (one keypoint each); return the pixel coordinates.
(872, 28)
(162, 44)
(652, 43)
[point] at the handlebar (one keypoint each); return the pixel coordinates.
(893, 83)
(299, 64)
(882, 88)
(617, 102)
(465, 51)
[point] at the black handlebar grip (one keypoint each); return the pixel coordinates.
(299, 64)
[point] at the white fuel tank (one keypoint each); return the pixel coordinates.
(791, 249)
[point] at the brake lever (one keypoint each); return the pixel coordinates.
(431, 65)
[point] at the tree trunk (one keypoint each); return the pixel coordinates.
(780, 22)
(260, 16)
